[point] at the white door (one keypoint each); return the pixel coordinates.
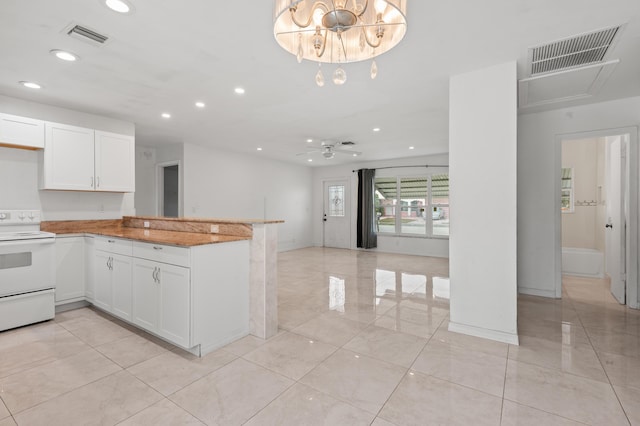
(70, 275)
(121, 286)
(115, 162)
(145, 294)
(336, 217)
(615, 226)
(68, 158)
(102, 281)
(174, 304)
(90, 261)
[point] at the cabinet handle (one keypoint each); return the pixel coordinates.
(111, 241)
(108, 267)
(153, 275)
(92, 181)
(158, 276)
(157, 248)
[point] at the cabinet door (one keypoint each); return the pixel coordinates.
(89, 255)
(121, 286)
(21, 131)
(115, 162)
(175, 306)
(69, 269)
(102, 281)
(68, 158)
(145, 294)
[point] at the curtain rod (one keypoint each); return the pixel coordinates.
(401, 167)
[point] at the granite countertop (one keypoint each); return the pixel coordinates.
(114, 228)
(206, 220)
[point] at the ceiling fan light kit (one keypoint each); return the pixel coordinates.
(329, 149)
(339, 31)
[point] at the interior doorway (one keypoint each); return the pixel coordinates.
(168, 186)
(336, 215)
(597, 215)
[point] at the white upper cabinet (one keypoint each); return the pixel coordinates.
(21, 132)
(114, 162)
(68, 158)
(79, 159)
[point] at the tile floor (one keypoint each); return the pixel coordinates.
(363, 341)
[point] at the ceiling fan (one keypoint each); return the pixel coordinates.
(330, 149)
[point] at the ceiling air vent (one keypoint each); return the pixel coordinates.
(347, 143)
(86, 34)
(572, 52)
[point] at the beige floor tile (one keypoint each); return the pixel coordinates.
(32, 333)
(163, 413)
(130, 350)
(330, 328)
(574, 397)
(429, 318)
(291, 316)
(291, 355)
(568, 333)
(386, 345)
(580, 360)
(54, 346)
(356, 379)
(420, 330)
(31, 387)
(463, 366)
(172, 371)
(232, 394)
(421, 399)
(622, 370)
(518, 415)
(615, 342)
(302, 405)
(7, 422)
(478, 344)
(381, 422)
(95, 331)
(630, 399)
(4, 412)
(106, 401)
(244, 345)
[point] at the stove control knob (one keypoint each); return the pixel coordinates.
(21, 216)
(31, 216)
(3, 216)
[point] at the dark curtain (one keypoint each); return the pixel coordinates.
(367, 237)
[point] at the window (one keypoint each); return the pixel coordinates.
(567, 202)
(336, 200)
(413, 205)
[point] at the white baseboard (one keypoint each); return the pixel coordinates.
(485, 333)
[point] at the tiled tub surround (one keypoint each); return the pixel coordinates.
(190, 232)
(363, 341)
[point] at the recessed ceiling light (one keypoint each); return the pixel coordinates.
(309, 140)
(376, 129)
(310, 160)
(412, 147)
(200, 104)
(166, 115)
(64, 55)
(239, 90)
(30, 84)
(259, 149)
(120, 6)
(355, 155)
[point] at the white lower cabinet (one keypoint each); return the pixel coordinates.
(161, 294)
(89, 273)
(113, 277)
(70, 272)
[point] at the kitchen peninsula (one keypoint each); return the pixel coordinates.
(227, 265)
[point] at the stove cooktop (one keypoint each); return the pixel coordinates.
(25, 235)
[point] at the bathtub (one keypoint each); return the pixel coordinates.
(582, 262)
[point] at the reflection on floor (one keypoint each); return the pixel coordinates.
(363, 340)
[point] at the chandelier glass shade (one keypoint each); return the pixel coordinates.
(339, 31)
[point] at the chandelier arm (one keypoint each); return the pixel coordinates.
(366, 37)
(293, 10)
(324, 44)
(344, 49)
(364, 9)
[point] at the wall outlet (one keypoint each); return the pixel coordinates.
(215, 229)
(146, 224)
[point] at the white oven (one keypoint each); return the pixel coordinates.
(27, 270)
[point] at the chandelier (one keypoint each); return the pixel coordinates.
(339, 31)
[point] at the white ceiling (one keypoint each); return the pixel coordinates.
(168, 54)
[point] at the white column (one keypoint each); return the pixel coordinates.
(263, 287)
(482, 166)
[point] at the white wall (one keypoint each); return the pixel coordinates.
(437, 247)
(222, 184)
(583, 228)
(483, 159)
(147, 160)
(538, 164)
(19, 170)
